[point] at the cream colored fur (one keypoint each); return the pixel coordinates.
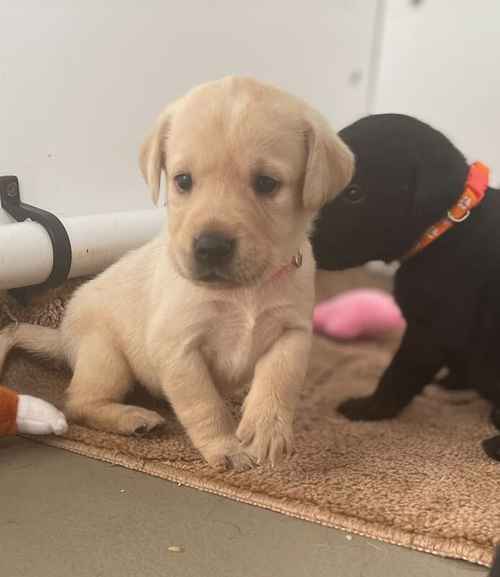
(148, 318)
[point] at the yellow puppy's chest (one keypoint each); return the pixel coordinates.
(238, 336)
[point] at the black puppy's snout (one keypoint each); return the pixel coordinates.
(213, 248)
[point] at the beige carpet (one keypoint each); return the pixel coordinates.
(420, 481)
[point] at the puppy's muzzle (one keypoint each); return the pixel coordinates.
(213, 253)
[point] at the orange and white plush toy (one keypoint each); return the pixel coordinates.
(26, 414)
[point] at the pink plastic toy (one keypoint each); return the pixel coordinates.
(358, 313)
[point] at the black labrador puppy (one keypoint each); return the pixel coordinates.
(409, 179)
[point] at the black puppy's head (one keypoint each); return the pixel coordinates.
(407, 176)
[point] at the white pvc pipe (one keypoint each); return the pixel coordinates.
(97, 241)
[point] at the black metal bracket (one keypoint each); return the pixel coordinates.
(61, 245)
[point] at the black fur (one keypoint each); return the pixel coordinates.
(407, 176)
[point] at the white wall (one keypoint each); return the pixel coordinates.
(81, 81)
(440, 61)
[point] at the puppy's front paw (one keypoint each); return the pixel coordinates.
(368, 409)
(266, 436)
(227, 454)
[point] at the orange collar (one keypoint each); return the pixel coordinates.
(475, 190)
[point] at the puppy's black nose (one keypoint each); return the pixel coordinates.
(213, 248)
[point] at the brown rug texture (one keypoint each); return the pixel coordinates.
(420, 481)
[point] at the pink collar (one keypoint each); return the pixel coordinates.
(295, 263)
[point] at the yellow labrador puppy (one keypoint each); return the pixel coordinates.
(223, 298)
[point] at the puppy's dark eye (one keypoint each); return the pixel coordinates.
(354, 194)
(265, 185)
(184, 182)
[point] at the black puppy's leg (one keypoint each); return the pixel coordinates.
(413, 366)
(495, 411)
(484, 371)
(495, 417)
(486, 374)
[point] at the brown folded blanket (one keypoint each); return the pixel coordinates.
(421, 480)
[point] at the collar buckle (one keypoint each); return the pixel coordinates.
(297, 260)
(475, 189)
(459, 219)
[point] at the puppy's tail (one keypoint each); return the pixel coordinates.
(32, 338)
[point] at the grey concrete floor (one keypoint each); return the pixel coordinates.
(62, 515)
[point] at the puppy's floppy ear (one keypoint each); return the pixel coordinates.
(153, 150)
(330, 163)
